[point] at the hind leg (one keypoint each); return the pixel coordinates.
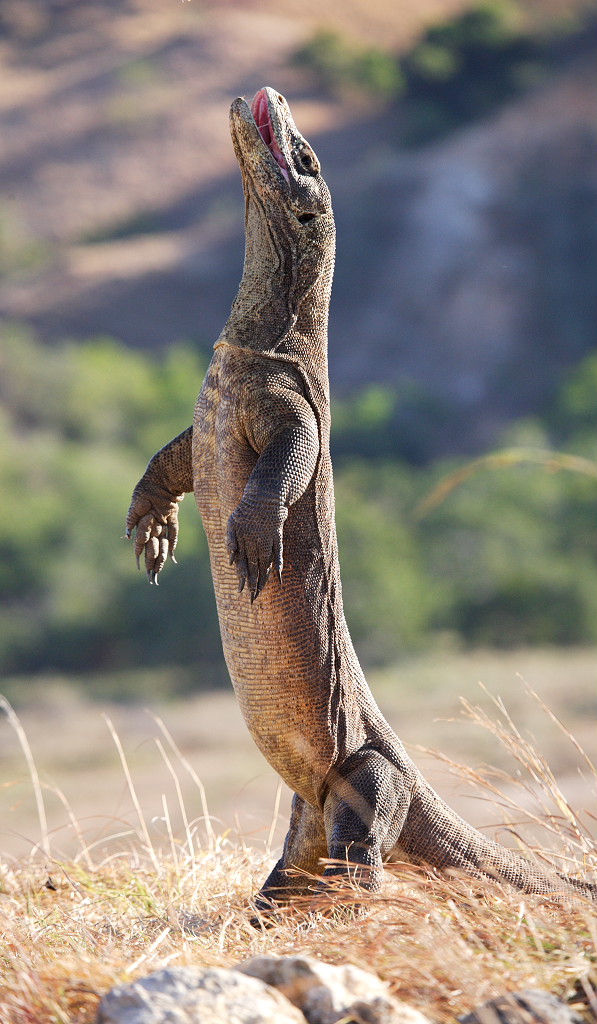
(304, 847)
(364, 811)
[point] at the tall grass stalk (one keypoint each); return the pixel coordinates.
(506, 459)
(133, 793)
(211, 839)
(33, 773)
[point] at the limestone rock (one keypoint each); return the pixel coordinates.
(327, 994)
(532, 1006)
(185, 995)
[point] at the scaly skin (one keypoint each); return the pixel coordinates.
(257, 458)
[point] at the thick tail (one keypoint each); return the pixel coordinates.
(434, 834)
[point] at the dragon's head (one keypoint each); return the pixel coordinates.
(279, 168)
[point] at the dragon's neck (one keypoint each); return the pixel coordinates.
(284, 293)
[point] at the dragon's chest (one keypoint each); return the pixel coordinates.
(222, 458)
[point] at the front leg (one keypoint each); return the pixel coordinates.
(283, 429)
(153, 511)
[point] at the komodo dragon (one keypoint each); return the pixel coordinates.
(258, 460)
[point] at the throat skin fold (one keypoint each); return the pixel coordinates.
(257, 458)
(282, 305)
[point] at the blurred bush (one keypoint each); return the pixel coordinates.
(514, 553)
(461, 68)
(78, 424)
(342, 66)
(20, 250)
(508, 558)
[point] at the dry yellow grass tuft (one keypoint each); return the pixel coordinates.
(71, 930)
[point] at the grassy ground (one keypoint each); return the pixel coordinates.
(443, 946)
(117, 867)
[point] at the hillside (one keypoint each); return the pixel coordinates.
(465, 268)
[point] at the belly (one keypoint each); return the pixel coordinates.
(279, 667)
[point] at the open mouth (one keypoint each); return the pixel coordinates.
(260, 111)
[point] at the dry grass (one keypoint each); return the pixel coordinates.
(444, 946)
(71, 929)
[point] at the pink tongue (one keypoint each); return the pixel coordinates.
(260, 111)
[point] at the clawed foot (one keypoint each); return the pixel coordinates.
(156, 532)
(154, 540)
(254, 541)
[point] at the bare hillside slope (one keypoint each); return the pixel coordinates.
(465, 269)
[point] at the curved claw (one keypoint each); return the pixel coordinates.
(243, 571)
(263, 571)
(278, 556)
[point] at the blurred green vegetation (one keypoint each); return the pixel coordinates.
(462, 68)
(459, 70)
(341, 65)
(20, 250)
(508, 558)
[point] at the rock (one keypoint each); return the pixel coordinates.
(186, 995)
(532, 1006)
(327, 994)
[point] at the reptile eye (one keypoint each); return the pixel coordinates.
(307, 160)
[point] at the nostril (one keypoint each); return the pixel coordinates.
(281, 99)
(305, 218)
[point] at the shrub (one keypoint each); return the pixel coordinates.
(340, 65)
